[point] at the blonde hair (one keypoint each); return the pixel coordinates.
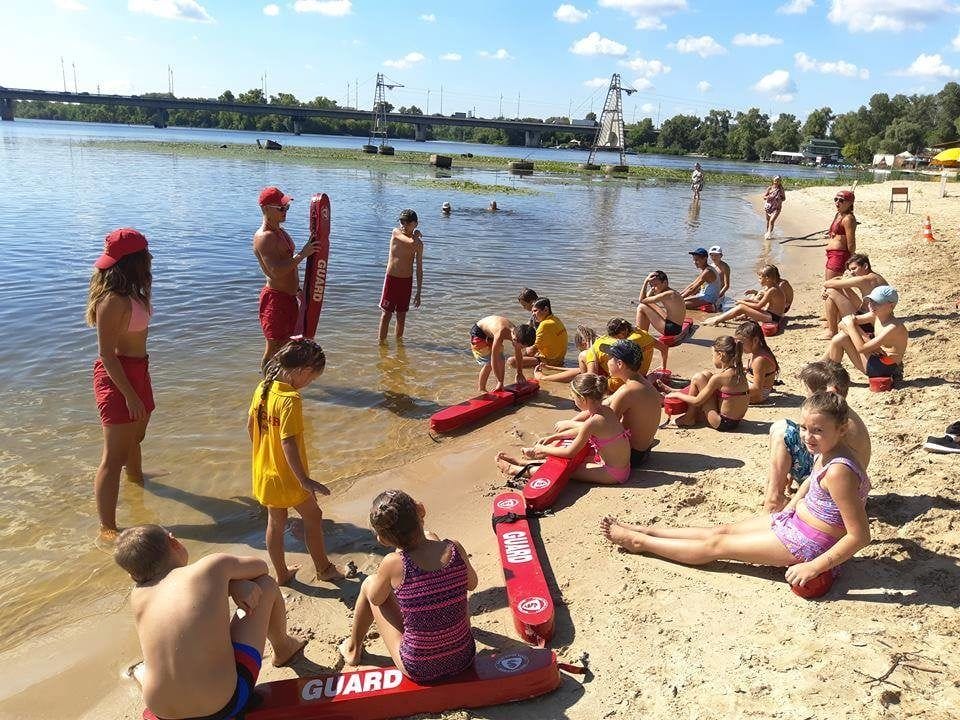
(590, 386)
(731, 350)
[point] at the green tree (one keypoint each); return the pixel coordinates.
(857, 152)
(785, 133)
(748, 128)
(947, 113)
(642, 134)
(713, 132)
(903, 135)
(680, 133)
(817, 123)
(252, 97)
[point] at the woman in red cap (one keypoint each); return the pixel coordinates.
(842, 242)
(119, 308)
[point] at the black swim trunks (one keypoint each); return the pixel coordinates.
(882, 366)
(774, 317)
(671, 328)
(638, 457)
(727, 424)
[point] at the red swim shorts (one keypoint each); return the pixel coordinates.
(396, 294)
(110, 401)
(279, 313)
(837, 260)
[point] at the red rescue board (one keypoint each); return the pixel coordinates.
(686, 330)
(315, 276)
(546, 484)
(527, 591)
(385, 693)
(479, 407)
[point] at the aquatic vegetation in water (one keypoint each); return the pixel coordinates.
(469, 186)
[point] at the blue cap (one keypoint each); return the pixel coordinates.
(699, 251)
(884, 294)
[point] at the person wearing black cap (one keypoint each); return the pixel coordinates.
(705, 290)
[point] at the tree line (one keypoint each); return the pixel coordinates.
(885, 124)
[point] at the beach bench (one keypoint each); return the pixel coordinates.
(899, 195)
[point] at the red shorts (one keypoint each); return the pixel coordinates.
(279, 314)
(837, 260)
(396, 294)
(110, 401)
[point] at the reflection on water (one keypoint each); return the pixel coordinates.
(693, 214)
(586, 245)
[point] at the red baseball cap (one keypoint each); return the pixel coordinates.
(118, 244)
(844, 195)
(273, 196)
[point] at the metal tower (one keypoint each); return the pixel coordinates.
(610, 132)
(378, 127)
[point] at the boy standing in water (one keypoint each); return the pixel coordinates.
(199, 662)
(405, 247)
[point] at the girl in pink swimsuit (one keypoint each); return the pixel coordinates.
(823, 526)
(721, 398)
(598, 426)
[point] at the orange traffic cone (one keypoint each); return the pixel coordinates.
(928, 231)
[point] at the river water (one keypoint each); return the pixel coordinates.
(584, 244)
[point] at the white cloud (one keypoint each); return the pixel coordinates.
(451, 57)
(929, 66)
(795, 7)
(272, 10)
(703, 86)
(704, 46)
(407, 61)
(955, 43)
(70, 5)
(649, 13)
(647, 68)
(835, 67)
(755, 40)
(597, 82)
(330, 8)
(171, 9)
(892, 15)
(779, 84)
(641, 84)
(428, 17)
(648, 107)
(500, 54)
(570, 14)
(594, 44)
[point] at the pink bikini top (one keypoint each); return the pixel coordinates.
(819, 502)
(597, 443)
(139, 316)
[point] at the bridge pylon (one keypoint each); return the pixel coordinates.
(610, 130)
(6, 109)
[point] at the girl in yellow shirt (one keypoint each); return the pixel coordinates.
(281, 478)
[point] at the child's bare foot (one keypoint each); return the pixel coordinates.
(284, 653)
(619, 535)
(825, 335)
(611, 520)
(107, 535)
(711, 320)
(507, 465)
(286, 577)
(329, 572)
(351, 655)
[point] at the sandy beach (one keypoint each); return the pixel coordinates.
(666, 640)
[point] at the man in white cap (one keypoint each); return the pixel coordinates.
(445, 208)
(881, 356)
(723, 270)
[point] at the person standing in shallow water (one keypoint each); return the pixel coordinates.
(696, 181)
(119, 308)
(279, 260)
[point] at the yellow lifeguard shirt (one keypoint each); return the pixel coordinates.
(640, 337)
(274, 484)
(552, 340)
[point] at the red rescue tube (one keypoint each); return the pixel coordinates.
(547, 482)
(315, 276)
(386, 693)
(817, 587)
(686, 330)
(479, 407)
(527, 591)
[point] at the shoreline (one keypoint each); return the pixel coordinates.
(738, 637)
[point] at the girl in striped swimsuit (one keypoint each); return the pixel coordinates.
(418, 596)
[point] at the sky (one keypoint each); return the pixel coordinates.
(527, 58)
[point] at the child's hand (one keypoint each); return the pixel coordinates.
(802, 573)
(135, 407)
(538, 372)
(312, 486)
(245, 593)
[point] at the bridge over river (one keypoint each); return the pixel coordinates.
(161, 106)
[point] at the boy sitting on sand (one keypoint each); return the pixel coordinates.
(199, 663)
(846, 295)
(660, 305)
(881, 356)
(486, 342)
(790, 460)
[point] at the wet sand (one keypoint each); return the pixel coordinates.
(667, 640)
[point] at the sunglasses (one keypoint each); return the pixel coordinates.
(839, 200)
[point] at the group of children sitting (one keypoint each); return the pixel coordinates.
(418, 595)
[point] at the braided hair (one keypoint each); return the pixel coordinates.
(298, 353)
(395, 518)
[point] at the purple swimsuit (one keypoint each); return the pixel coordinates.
(437, 640)
(803, 541)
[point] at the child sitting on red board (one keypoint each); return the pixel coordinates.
(198, 662)
(769, 306)
(417, 597)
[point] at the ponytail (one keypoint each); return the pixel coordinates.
(751, 330)
(590, 386)
(732, 352)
